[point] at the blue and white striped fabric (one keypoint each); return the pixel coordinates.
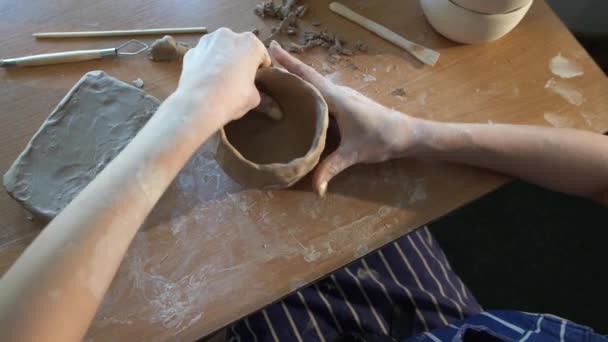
(406, 291)
(513, 326)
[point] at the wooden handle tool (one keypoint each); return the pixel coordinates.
(423, 54)
(72, 56)
(118, 33)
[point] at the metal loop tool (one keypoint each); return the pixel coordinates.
(75, 56)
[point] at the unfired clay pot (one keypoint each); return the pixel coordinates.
(492, 6)
(469, 27)
(257, 151)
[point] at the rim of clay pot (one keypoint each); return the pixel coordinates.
(481, 7)
(320, 130)
(500, 23)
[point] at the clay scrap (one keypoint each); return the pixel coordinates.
(290, 13)
(398, 92)
(332, 43)
(138, 82)
(88, 128)
(280, 11)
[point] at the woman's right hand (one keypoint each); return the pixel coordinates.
(370, 132)
(219, 73)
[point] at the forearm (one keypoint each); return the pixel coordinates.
(565, 160)
(52, 292)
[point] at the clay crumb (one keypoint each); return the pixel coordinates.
(361, 46)
(301, 11)
(398, 92)
(369, 78)
(316, 23)
(289, 26)
(351, 65)
(338, 49)
(138, 82)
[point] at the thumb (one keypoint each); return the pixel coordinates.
(329, 168)
(297, 67)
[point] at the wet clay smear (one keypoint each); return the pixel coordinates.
(564, 67)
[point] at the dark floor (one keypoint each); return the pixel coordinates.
(597, 46)
(529, 249)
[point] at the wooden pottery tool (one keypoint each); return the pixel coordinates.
(73, 56)
(423, 54)
(119, 33)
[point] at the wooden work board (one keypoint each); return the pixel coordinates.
(212, 252)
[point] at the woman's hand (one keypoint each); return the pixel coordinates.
(220, 72)
(370, 132)
(90, 237)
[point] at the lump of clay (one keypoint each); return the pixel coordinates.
(87, 129)
(167, 49)
(260, 152)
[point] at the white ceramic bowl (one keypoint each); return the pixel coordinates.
(492, 6)
(469, 27)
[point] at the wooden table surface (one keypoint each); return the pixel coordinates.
(212, 252)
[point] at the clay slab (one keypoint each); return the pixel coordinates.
(87, 129)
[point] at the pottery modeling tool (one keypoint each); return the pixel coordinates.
(423, 54)
(119, 33)
(73, 56)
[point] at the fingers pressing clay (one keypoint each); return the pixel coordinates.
(269, 107)
(167, 49)
(273, 60)
(266, 60)
(328, 169)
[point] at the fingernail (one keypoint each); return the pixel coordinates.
(274, 44)
(322, 189)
